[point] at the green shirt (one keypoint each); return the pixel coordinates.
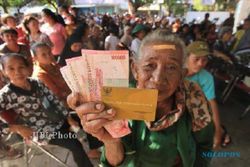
(145, 148)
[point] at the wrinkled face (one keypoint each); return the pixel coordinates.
(76, 46)
(195, 63)
(16, 70)
(33, 25)
(9, 38)
(44, 55)
(159, 69)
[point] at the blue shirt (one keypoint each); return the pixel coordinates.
(205, 81)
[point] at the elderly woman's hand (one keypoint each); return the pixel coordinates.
(93, 116)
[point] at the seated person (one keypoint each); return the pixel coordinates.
(196, 61)
(183, 128)
(222, 46)
(41, 114)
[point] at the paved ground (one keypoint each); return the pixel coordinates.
(230, 112)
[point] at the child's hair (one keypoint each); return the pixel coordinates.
(5, 17)
(27, 20)
(4, 57)
(7, 30)
(37, 45)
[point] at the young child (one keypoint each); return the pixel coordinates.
(47, 71)
(39, 110)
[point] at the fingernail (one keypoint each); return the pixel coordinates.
(110, 111)
(98, 106)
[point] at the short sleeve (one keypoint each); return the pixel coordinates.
(208, 86)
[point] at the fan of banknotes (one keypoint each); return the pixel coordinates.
(88, 73)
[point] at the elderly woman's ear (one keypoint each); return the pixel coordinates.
(133, 67)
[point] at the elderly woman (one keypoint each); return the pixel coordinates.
(183, 130)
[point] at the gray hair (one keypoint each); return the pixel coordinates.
(163, 36)
(38, 45)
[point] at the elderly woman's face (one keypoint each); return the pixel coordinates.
(159, 69)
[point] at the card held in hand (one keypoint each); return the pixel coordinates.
(131, 103)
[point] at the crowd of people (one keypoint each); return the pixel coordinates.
(168, 56)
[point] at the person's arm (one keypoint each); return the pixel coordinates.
(114, 152)
(107, 43)
(22, 130)
(63, 32)
(217, 124)
(219, 54)
(94, 117)
(50, 84)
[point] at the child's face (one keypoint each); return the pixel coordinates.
(11, 22)
(44, 55)
(76, 47)
(9, 38)
(16, 70)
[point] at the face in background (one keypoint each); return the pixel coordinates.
(76, 46)
(96, 31)
(227, 36)
(141, 34)
(9, 38)
(46, 18)
(159, 69)
(11, 22)
(33, 25)
(44, 55)
(196, 63)
(16, 70)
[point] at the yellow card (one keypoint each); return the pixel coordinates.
(131, 103)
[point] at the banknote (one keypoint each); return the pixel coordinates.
(88, 73)
(105, 68)
(69, 79)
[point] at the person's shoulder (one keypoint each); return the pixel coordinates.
(206, 74)
(5, 89)
(191, 86)
(35, 81)
(108, 38)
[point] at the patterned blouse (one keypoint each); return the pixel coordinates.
(38, 108)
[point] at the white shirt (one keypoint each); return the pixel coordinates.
(135, 45)
(112, 41)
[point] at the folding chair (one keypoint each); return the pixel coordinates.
(10, 116)
(29, 155)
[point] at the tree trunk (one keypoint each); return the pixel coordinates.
(131, 7)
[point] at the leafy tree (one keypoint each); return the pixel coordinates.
(13, 3)
(135, 4)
